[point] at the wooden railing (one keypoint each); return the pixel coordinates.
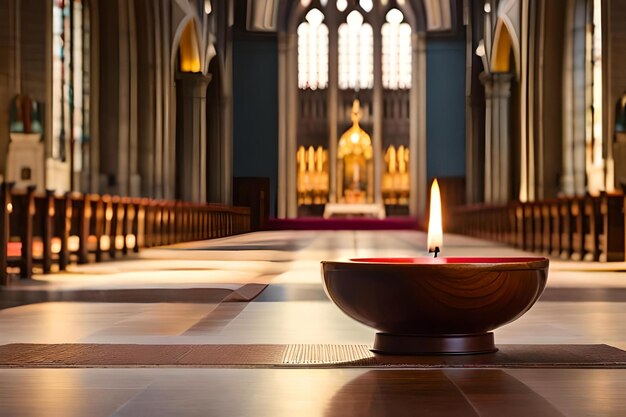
(45, 229)
(581, 228)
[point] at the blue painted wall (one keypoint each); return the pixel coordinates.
(445, 107)
(255, 107)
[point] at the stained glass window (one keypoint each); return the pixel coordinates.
(596, 57)
(356, 53)
(70, 80)
(313, 51)
(60, 14)
(397, 51)
(77, 85)
(596, 177)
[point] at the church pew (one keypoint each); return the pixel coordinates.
(520, 235)
(537, 219)
(157, 215)
(556, 228)
(566, 228)
(43, 228)
(50, 231)
(114, 231)
(612, 238)
(149, 223)
(588, 228)
(547, 226)
(18, 233)
(128, 228)
(579, 226)
(183, 222)
(80, 226)
(138, 223)
(592, 223)
(193, 218)
(62, 226)
(98, 225)
(5, 212)
(511, 223)
(529, 235)
(171, 225)
(178, 222)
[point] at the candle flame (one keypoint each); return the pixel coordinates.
(435, 231)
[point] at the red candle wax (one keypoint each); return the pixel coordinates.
(451, 260)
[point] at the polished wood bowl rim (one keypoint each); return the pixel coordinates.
(505, 264)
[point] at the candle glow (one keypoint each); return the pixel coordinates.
(435, 232)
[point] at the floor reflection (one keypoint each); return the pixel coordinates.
(471, 392)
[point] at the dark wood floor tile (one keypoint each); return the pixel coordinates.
(399, 394)
(60, 402)
(495, 393)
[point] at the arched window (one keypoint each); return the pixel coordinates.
(396, 51)
(356, 53)
(313, 52)
(70, 79)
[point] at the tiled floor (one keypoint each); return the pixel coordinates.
(584, 303)
(306, 392)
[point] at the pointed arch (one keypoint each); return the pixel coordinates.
(188, 44)
(505, 41)
(189, 49)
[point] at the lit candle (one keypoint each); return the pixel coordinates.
(435, 232)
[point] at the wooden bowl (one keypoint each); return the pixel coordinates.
(440, 306)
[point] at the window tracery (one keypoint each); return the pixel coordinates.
(313, 51)
(396, 51)
(356, 53)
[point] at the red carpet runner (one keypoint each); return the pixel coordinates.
(316, 223)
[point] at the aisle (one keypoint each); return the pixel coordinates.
(199, 293)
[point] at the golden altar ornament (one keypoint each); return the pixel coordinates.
(355, 163)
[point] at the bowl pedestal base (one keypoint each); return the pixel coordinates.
(466, 344)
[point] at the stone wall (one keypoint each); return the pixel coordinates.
(22, 59)
(7, 73)
(33, 28)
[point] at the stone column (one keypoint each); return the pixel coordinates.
(192, 136)
(488, 83)
(567, 176)
(417, 130)
(219, 137)
(497, 137)
(167, 147)
(122, 104)
(377, 107)
(227, 118)
(501, 128)
(282, 126)
(579, 99)
(333, 97)
(292, 116)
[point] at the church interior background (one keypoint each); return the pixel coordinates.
(172, 172)
(528, 101)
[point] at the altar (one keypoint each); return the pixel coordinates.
(347, 182)
(354, 210)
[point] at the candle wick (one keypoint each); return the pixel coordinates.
(436, 251)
